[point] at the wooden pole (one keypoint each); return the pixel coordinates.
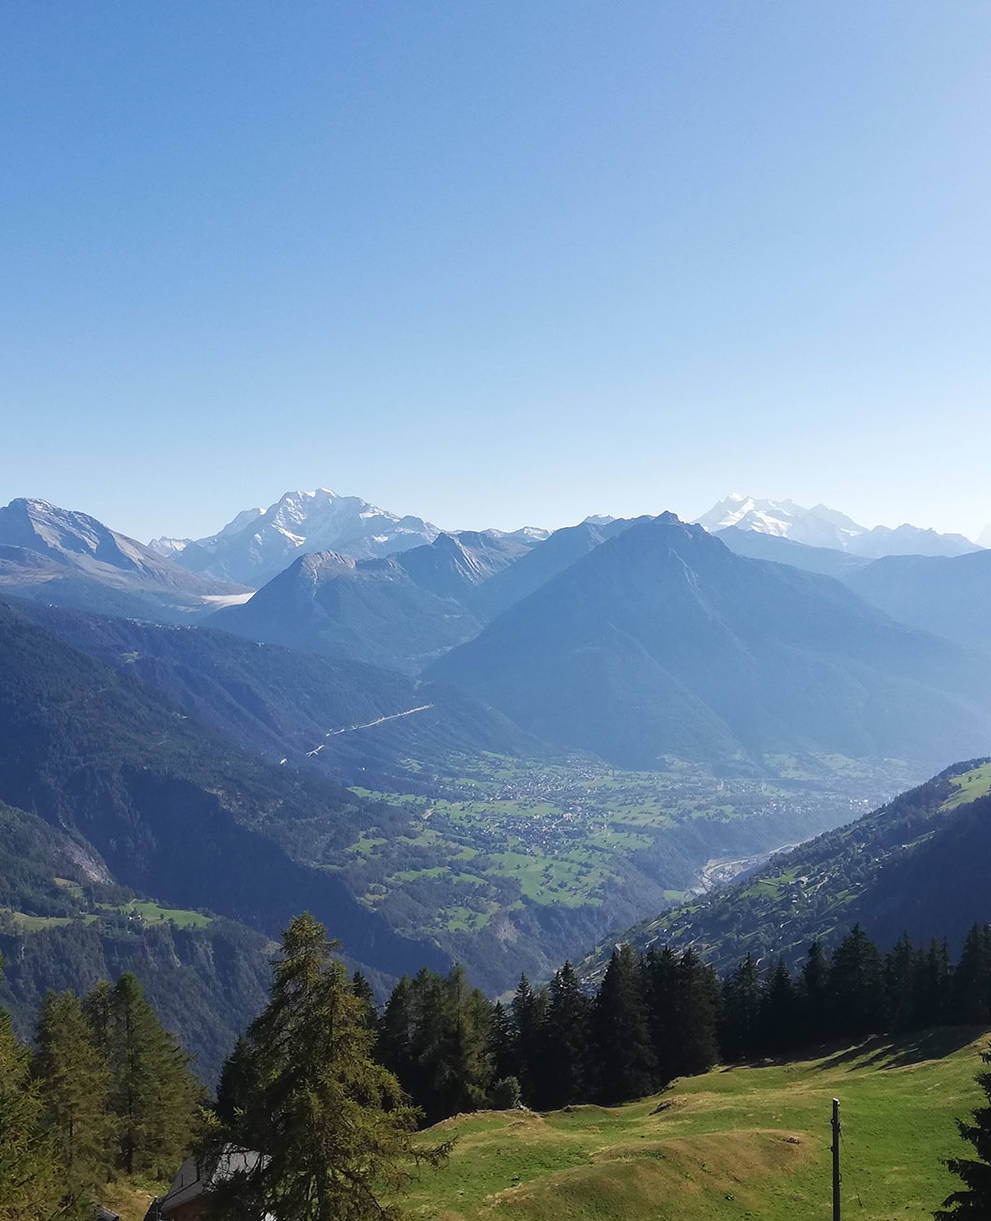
(836, 1159)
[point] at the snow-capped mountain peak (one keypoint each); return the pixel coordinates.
(822, 526)
(258, 543)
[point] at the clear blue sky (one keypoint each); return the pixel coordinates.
(496, 263)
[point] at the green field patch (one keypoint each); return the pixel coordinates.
(154, 913)
(969, 786)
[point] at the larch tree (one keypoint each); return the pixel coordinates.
(74, 1080)
(154, 1096)
(333, 1127)
(28, 1185)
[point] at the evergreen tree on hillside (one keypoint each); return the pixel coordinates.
(742, 1001)
(29, 1188)
(332, 1125)
(696, 1018)
(973, 1201)
(528, 1009)
(622, 1053)
(660, 979)
(564, 1038)
(813, 994)
(460, 1070)
(502, 1043)
(972, 979)
(779, 1012)
(154, 1096)
(394, 1048)
(238, 1080)
(74, 1085)
(856, 986)
(901, 970)
(363, 991)
(933, 985)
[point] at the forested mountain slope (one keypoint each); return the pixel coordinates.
(170, 808)
(662, 642)
(358, 720)
(920, 865)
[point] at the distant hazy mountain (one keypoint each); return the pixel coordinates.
(453, 565)
(556, 553)
(661, 642)
(824, 527)
(361, 610)
(400, 612)
(948, 596)
(917, 865)
(57, 555)
(257, 545)
(783, 550)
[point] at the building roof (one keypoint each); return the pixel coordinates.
(198, 1175)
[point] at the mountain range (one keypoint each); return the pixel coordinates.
(58, 555)
(402, 611)
(662, 642)
(257, 544)
(824, 527)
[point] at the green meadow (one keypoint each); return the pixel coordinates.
(742, 1142)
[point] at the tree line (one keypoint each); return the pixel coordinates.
(329, 1090)
(657, 1016)
(105, 1091)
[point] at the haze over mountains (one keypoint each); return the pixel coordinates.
(661, 642)
(548, 735)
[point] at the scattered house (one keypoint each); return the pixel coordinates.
(104, 1214)
(186, 1198)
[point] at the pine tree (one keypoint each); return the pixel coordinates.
(564, 1039)
(779, 1012)
(28, 1186)
(742, 998)
(528, 1009)
(74, 1085)
(973, 1201)
(856, 985)
(661, 985)
(502, 1044)
(154, 1095)
(238, 1080)
(972, 978)
(933, 985)
(459, 1071)
(814, 993)
(696, 1018)
(394, 1048)
(363, 991)
(332, 1125)
(621, 1044)
(901, 967)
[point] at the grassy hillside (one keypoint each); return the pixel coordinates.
(740, 1142)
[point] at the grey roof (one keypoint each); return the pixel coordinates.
(198, 1175)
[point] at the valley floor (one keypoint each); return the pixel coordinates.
(736, 1142)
